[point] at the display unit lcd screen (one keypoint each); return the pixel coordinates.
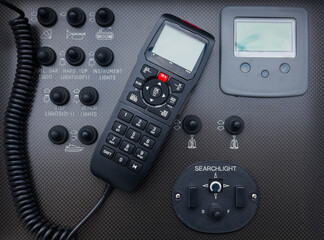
(265, 37)
(178, 47)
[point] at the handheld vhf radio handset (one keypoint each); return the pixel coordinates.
(167, 70)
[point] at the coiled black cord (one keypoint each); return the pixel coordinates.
(15, 138)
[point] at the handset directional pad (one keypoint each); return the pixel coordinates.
(155, 92)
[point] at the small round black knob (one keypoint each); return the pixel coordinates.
(217, 213)
(88, 96)
(105, 17)
(46, 56)
(88, 135)
(75, 56)
(60, 96)
(58, 135)
(76, 17)
(46, 16)
(234, 125)
(104, 56)
(191, 124)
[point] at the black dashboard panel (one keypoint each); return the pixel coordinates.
(281, 145)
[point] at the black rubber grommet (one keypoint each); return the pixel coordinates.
(191, 124)
(104, 56)
(46, 56)
(76, 17)
(75, 56)
(46, 16)
(60, 96)
(88, 96)
(105, 17)
(88, 135)
(58, 135)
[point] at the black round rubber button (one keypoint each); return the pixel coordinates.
(46, 56)
(88, 135)
(76, 17)
(75, 56)
(105, 17)
(191, 124)
(104, 57)
(47, 17)
(60, 96)
(58, 135)
(234, 125)
(88, 96)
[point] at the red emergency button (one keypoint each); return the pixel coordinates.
(163, 77)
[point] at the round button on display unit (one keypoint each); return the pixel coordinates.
(285, 68)
(155, 92)
(245, 67)
(265, 73)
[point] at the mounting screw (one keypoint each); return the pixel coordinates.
(178, 196)
(254, 196)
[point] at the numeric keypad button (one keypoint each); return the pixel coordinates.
(121, 159)
(153, 130)
(147, 142)
(127, 147)
(139, 123)
(141, 154)
(125, 116)
(113, 140)
(119, 128)
(133, 135)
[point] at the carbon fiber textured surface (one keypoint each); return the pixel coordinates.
(282, 145)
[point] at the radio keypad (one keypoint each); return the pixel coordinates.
(134, 145)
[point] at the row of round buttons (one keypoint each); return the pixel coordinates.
(60, 96)
(75, 56)
(76, 17)
(284, 68)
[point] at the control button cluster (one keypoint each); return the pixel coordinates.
(61, 96)
(130, 140)
(283, 68)
(76, 17)
(159, 92)
(59, 135)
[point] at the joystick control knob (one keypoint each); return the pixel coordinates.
(60, 96)
(58, 135)
(46, 56)
(47, 17)
(104, 56)
(88, 96)
(88, 135)
(234, 125)
(216, 211)
(191, 124)
(105, 17)
(76, 17)
(75, 56)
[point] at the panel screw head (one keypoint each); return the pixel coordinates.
(178, 196)
(254, 196)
